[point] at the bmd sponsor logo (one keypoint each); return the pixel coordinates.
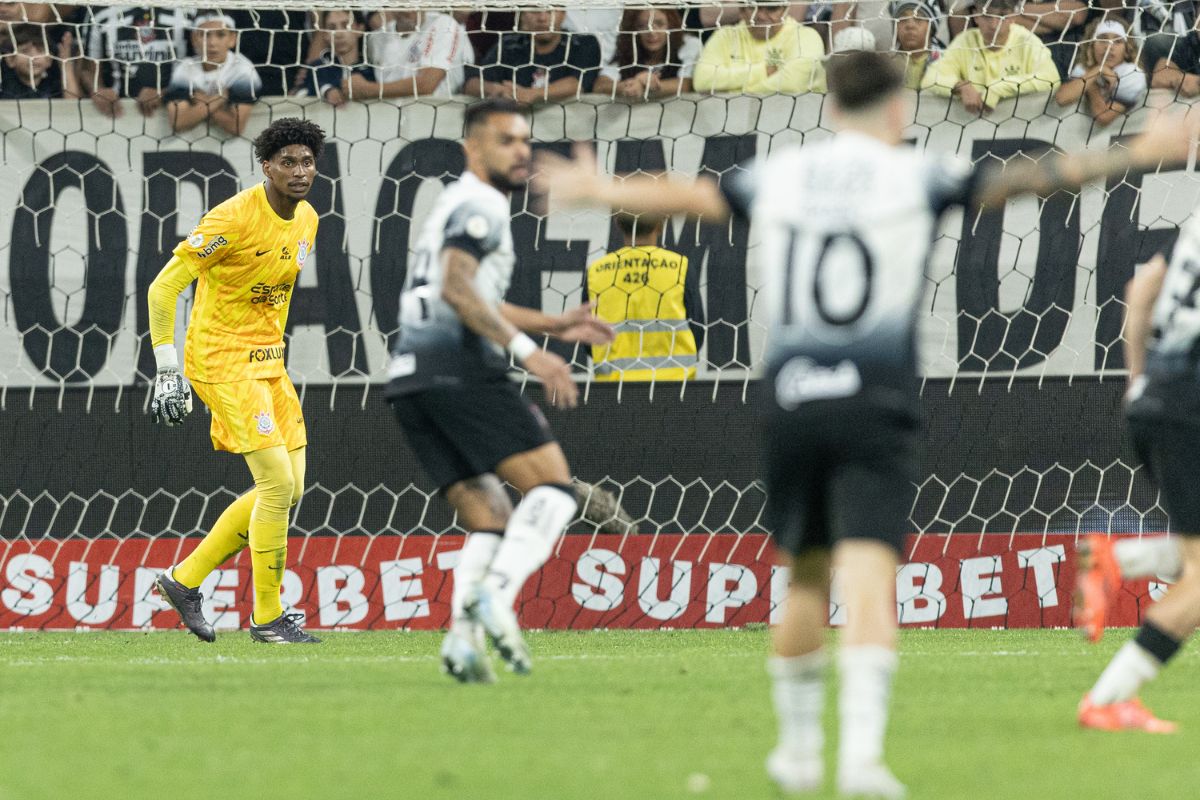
(212, 247)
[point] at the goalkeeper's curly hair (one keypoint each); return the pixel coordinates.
(286, 131)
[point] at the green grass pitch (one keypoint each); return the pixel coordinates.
(606, 715)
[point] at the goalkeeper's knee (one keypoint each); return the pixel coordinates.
(297, 458)
(274, 484)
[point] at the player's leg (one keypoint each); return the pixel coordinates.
(481, 506)
(1104, 562)
(547, 505)
(229, 535)
(276, 453)
(871, 497)
(798, 662)
(299, 458)
(797, 668)
(180, 584)
(272, 471)
(1112, 704)
(867, 662)
(491, 428)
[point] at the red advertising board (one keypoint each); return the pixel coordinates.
(636, 581)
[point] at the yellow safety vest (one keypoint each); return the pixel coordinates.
(640, 291)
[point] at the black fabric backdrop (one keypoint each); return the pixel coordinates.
(1028, 457)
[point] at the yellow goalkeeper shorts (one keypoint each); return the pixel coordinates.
(254, 414)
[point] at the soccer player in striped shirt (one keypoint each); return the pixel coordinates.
(846, 226)
(245, 254)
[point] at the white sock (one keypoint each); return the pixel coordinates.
(798, 690)
(1149, 557)
(1123, 677)
(866, 687)
(529, 538)
(477, 553)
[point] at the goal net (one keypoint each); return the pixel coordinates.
(1020, 333)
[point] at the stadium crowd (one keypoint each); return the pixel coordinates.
(202, 65)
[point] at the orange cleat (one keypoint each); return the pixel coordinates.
(1129, 715)
(1098, 583)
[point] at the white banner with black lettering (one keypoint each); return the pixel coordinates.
(93, 207)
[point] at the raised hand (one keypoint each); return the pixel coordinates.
(580, 324)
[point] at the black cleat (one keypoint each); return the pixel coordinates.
(285, 630)
(188, 603)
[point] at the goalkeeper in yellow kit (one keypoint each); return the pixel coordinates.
(245, 254)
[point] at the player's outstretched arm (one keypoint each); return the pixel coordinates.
(458, 290)
(577, 182)
(172, 396)
(579, 324)
(1140, 294)
(1164, 144)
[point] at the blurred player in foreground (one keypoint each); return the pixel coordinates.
(1162, 351)
(246, 254)
(846, 227)
(466, 421)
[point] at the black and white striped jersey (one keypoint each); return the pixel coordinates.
(137, 45)
(846, 226)
(1174, 346)
(433, 346)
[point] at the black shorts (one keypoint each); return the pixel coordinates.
(463, 431)
(835, 472)
(1168, 448)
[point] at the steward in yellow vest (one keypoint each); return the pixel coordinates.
(646, 293)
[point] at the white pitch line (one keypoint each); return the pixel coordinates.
(403, 659)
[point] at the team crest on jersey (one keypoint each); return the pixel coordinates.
(264, 423)
(301, 252)
(196, 240)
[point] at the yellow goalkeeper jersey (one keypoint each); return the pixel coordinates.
(246, 259)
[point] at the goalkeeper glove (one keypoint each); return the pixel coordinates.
(172, 396)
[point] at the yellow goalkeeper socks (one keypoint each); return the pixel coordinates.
(226, 539)
(274, 483)
(268, 577)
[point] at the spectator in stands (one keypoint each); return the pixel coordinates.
(274, 41)
(216, 84)
(1106, 74)
(654, 57)
(828, 18)
(603, 23)
(852, 38)
(915, 38)
(485, 29)
(414, 53)
(702, 21)
(992, 61)
(538, 63)
(29, 70)
(1060, 25)
(57, 18)
(343, 31)
(653, 300)
(130, 53)
(767, 52)
(1172, 56)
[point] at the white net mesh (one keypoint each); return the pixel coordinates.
(1020, 348)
